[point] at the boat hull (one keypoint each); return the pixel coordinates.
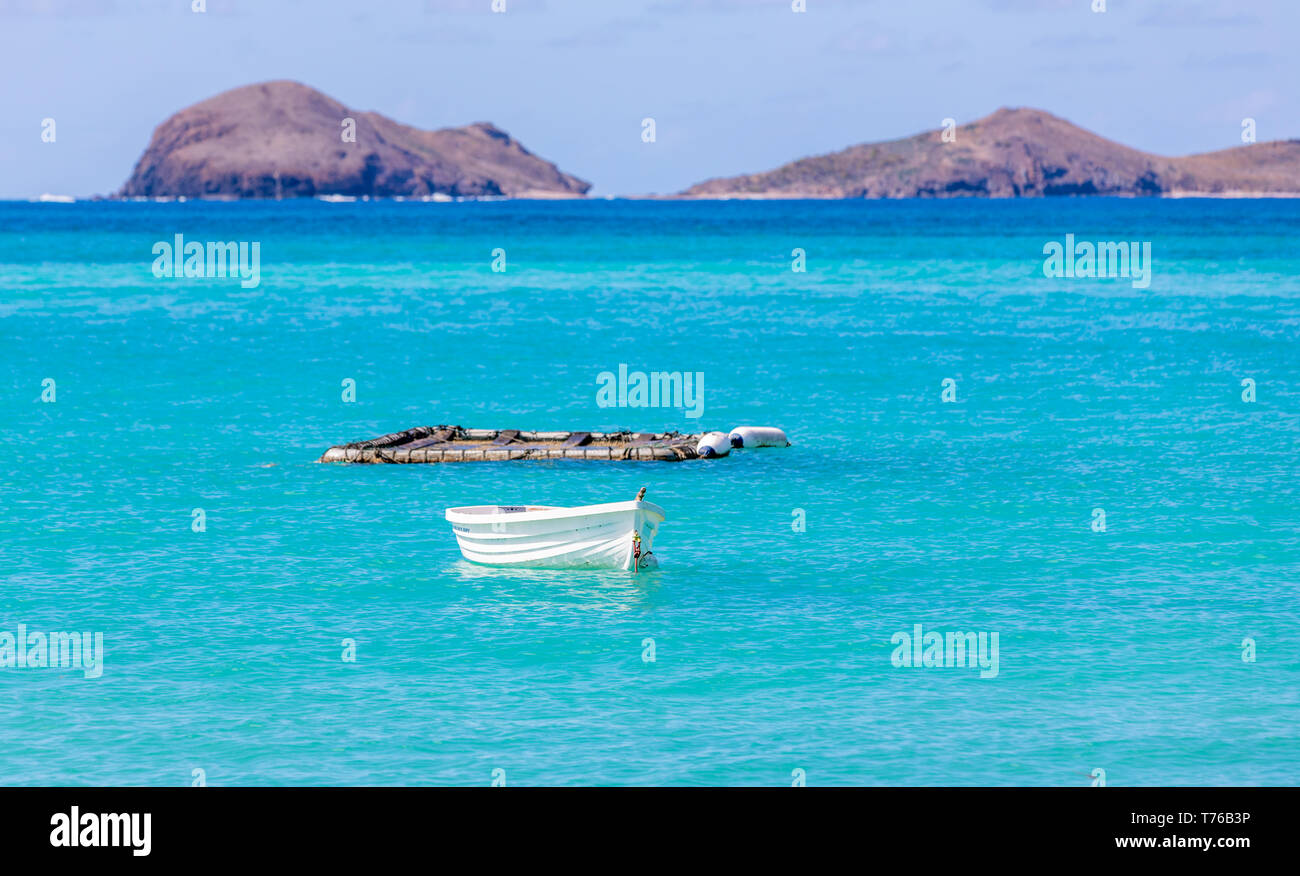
(540, 537)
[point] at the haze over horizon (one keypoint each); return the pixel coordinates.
(734, 86)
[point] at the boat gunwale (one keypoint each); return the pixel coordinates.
(461, 515)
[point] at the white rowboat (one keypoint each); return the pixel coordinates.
(546, 537)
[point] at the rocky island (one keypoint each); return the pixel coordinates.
(1018, 153)
(284, 139)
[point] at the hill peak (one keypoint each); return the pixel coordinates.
(1015, 152)
(282, 138)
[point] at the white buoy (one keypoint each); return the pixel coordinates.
(758, 436)
(713, 444)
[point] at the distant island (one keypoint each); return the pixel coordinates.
(1018, 153)
(286, 140)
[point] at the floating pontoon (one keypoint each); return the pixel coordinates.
(455, 444)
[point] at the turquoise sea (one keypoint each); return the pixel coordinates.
(1119, 651)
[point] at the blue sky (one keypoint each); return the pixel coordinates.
(734, 85)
